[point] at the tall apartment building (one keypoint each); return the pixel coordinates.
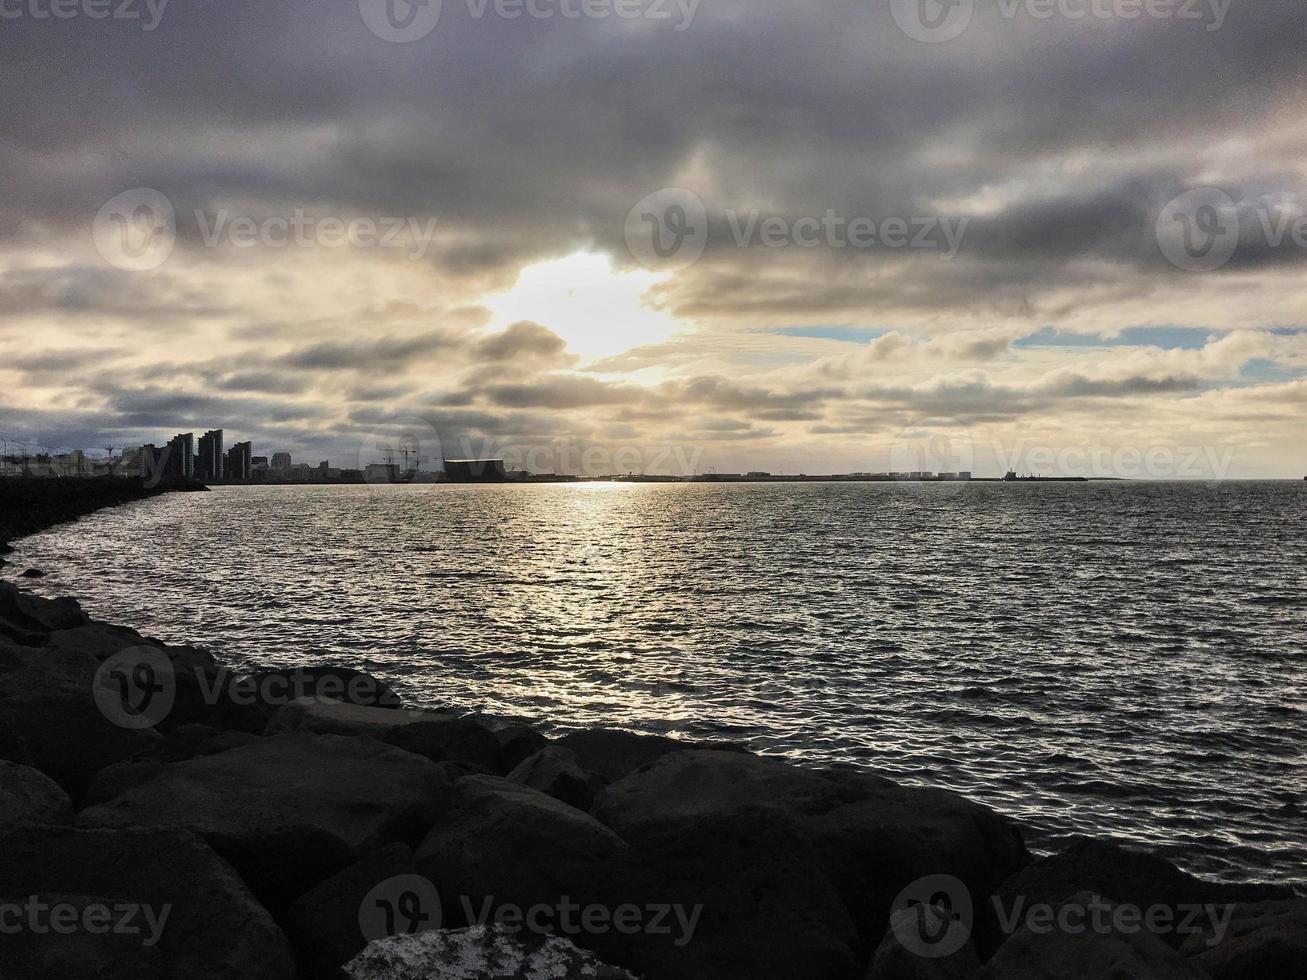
(180, 461)
(240, 461)
(211, 463)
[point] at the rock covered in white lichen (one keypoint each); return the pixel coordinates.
(477, 953)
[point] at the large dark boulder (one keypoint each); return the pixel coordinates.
(554, 770)
(1124, 875)
(614, 754)
(30, 796)
(742, 896)
(435, 736)
(214, 929)
(178, 745)
(288, 810)
(874, 837)
(504, 841)
(347, 684)
(325, 922)
(65, 735)
(331, 716)
(1046, 951)
(517, 742)
(38, 614)
(1263, 939)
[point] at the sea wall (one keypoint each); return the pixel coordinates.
(161, 816)
(28, 505)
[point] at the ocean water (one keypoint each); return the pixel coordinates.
(1107, 658)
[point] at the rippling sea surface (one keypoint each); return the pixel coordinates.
(1126, 659)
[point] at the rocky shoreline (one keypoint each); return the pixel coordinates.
(161, 816)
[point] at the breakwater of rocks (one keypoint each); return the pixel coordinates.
(28, 505)
(161, 816)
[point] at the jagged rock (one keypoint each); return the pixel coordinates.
(905, 955)
(288, 810)
(503, 840)
(185, 742)
(477, 954)
(456, 740)
(614, 754)
(874, 836)
(554, 770)
(438, 737)
(324, 922)
(30, 796)
(329, 683)
(66, 737)
(1120, 874)
(37, 613)
(33, 573)
(215, 930)
(748, 897)
(1089, 954)
(517, 742)
(1264, 939)
(328, 716)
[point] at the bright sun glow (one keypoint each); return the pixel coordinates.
(596, 309)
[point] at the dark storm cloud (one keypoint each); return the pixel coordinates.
(297, 104)
(365, 355)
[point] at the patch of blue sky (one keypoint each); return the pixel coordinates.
(1165, 338)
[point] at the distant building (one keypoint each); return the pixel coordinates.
(240, 462)
(211, 464)
(259, 461)
(180, 461)
(475, 470)
(281, 463)
(381, 473)
(302, 471)
(758, 474)
(964, 475)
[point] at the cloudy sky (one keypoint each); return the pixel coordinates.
(791, 235)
